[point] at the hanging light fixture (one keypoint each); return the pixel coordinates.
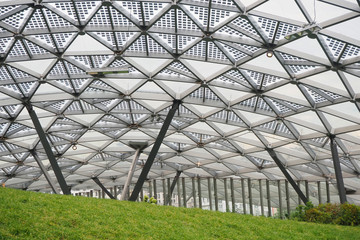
(269, 53)
(74, 147)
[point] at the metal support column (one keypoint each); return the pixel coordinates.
(327, 192)
(261, 198)
(210, 194)
(287, 175)
(280, 200)
(184, 192)
(164, 191)
(97, 181)
(268, 197)
(150, 189)
(178, 192)
(232, 192)
(287, 193)
(176, 178)
(307, 190)
(226, 196)
(54, 165)
(193, 191)
(115, 191)
(299, 185)
(319, 191)
(169, 196)
(154, 151)
(337, 168)
(155, 190)
(216, 196)
(199, 191)
(250, 197)
(130, 174)
(243, 195)
(44, 171)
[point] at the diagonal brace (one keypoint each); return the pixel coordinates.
(176, 178)
(59, 176)
(337, 168)
(287, 175)
(154, 151)
(97, 181)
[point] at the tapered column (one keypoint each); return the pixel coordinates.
(261, 197)
(199, 191)
(250, 197)
(280, 200)
(232, 195)
(268, 197)
(176, 178)
(319, 191)
(154, 150)
(243, 195)
(193, 190)
(216, 196)
(287, 198)
(327, 192)
(184, 192)
(130, 174)
(226, 196)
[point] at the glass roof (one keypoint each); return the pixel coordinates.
(210, 54)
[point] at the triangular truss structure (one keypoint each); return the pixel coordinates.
(250, 75)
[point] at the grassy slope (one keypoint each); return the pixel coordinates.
(26, 215)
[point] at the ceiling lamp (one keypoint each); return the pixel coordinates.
(269, 53)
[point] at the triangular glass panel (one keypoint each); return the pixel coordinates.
(197, 52)
(44, 39)
(4, 44)
(133, 8)
(72, 69)
(18, 50)
(85, 9)
(218, 16)
(242, 25)
(167, 21)
(214, 53)
(203, 93)
(36, 21)
(225, 116)
(35, 49)
(58, 70)
(63, 39)
(154, 47)
(177, 69)
(168, 39)
(100, 86)
(54, 20)
(200, 13)
(19, 74)
(66, 8)
(151, 9)
(18, 19)
(235, 53)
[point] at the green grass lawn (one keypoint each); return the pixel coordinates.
(29, 215)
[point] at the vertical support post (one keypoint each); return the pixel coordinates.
(91, 193)
(261, 197)
(102, 194)
(193, 191)
(199, 191)
(184, 192)
(319, 191)
(280, 199)
(164, 191)
(268, 197)
(154, 150)
(287, 198)
(130, 174)
(337, 168)
(178, 192)
(155, 190)
(115, 192)
(150, 189)
(286, 174)
(142, 194)
(210, 194)
(169, 196)
(232, 192)
(226, 196)
(250, 196)
(45, 172)
(327, 192)
(54, 165)
(97, 181)
(216, 196)
(243, 195)
(307, 190)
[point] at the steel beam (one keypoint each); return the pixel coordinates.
(40, 131)
(45, 172)
(337, 168)
(287, 175)
(176, 178)
(130, 174)
(97, 181)
(154, 151)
